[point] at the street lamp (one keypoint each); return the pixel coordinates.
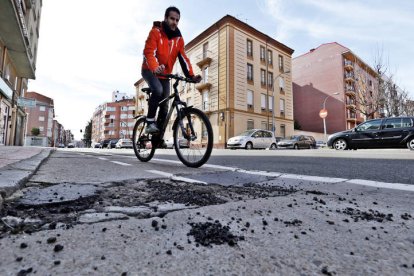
(273, 98)
(323, 113)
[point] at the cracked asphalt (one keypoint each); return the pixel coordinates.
(83, 214)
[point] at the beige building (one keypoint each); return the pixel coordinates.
(19, 33)
(239, 65)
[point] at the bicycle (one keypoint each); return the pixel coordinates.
(192, 131)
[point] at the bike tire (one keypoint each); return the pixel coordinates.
(142, 142)
(199, 148)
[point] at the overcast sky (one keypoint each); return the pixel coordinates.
(89, 48)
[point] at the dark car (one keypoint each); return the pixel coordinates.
(295, 142)
(104, 144)
(311, 141)
(112, 143)
(397, 132)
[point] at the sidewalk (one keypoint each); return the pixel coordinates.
(17, 164)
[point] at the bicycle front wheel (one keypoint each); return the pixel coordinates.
(193, 138)
(141, 141)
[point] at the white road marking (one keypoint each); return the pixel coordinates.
(396, 186)
(102, 158)
(121, 163)
(173, 177)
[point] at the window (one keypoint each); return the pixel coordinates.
(270, 79)
(281, 63)
(270, 103)
(282, 107)
(262, 54)
(406, 122)
(249, 48)
(393, 123)
(249, 99)
(42, 108)
(269, 57)
(124, 108)
(131, 107)
(249, 72)
(41, 118)
(124, 116)
(283, 131)
(263, 101)
(41, 129)
(110, 108)
(264, 125)
(263, 77)
(205, 50)
(250, 124)
(282, 85)
(205, 101)
(205, 75)
(370, 125)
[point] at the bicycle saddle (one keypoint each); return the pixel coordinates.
(146, 90)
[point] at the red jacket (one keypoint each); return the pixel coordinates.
(159, 49)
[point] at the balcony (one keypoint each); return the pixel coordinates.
(349, 65)
(350, 91)
(205, 61)
(349, 77)
(16, 37)
(203, 86)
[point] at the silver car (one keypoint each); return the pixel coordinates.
(124, 143)
(253, 139)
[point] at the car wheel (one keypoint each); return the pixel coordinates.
(410, 144)
(340, 144)
(296, 146)
(273, 146)
(249, 145)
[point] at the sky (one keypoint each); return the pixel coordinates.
(89, 48)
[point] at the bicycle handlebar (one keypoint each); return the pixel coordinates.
(176, 77)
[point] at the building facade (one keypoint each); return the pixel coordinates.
(334, 75)
(246, 80)
(19, 34)
(113, 120)
(40, 117)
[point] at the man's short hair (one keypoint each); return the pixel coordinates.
(170, 9)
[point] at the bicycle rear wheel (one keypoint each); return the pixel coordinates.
(194, 146)
(142, 143)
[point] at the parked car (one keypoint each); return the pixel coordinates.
(123, 144)
(104, 144)
(296, 142)
(112, 143)
(170, 143)
(320, 144)
(253, 139)
(71, 145)
(397, 132)
(97, 145)
(311, 141)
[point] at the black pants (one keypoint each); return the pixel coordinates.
(160, 90)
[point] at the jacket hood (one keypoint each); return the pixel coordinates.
(166, 29)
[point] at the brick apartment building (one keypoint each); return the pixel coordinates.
(244, 81)
(19, 33)
(333, 74)
(114, 120)
(40, 116)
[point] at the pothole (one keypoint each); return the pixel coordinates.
(64, 205)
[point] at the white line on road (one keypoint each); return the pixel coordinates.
(121, 163)
(173, 177)
(395, 186)
(102, 158)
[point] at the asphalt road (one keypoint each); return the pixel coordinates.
(392, 166)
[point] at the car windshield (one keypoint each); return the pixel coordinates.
(294, 137)
(246, 133)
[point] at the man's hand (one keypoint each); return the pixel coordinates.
(197, 78)
(159, 69)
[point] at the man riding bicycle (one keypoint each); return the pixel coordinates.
(162, 47)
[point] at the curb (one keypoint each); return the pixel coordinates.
(14, 176)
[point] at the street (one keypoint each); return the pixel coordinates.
(310, 212)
